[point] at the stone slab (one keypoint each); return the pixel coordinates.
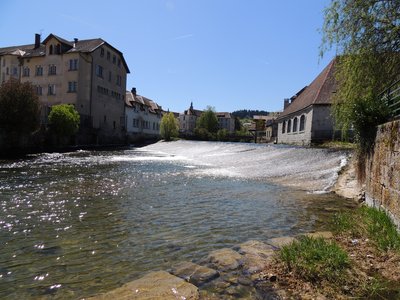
(224, 259)
(194, 273)
(279, 242)
(154, 286)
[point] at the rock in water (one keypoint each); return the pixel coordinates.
(194, 273)
(155, 286)
(224, 259)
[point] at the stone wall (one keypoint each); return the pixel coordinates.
(383, 171)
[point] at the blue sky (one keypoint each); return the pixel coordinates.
(230, 54)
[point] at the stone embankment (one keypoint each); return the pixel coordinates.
(229, 273)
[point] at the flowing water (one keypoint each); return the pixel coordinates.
(77, 224)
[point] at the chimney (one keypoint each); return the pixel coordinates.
(75, 42)
(133, 90)
(286, 103)
(37, 40)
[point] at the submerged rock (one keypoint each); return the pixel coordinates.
(256, 255)
(156, 285)
(194, 273)
(224, 259)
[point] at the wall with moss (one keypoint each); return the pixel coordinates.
(383, 171)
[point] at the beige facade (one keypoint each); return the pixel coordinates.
(226, 121)
(90, 74)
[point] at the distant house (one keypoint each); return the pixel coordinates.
(187, 120)
(226, 121)
(143, 117)
(306, 117)
(89, 74)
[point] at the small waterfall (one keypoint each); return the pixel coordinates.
(313, 170)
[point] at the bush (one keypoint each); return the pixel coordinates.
(168, 127)
(315, 259)
(20, 110)
(64, 120)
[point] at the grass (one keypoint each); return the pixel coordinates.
(370, 222)
(315, 259)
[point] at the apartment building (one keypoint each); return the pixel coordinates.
(143, 117)
(90, 74)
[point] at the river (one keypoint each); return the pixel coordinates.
(81, 223)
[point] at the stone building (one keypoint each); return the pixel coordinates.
(143, 117)
(90, 74)
(306, 117)
(226, 121)
(187, 120)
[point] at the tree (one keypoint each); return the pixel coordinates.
(208, 121)
(64, 120)
(168, 127)
(366, 35)
(19, 111)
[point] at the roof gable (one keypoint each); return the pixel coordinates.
(318, 92)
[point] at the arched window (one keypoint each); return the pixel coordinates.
(289, 126)
(295, 124)
(283, 126)
(302, 122)
(58, 49)
(51, 49)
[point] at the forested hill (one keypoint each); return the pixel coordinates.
(248, 113)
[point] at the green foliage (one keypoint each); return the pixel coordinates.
(208, 121)
(19, 109)
(315, 259)
(249, 113)
(169, 126)
(380, 228)
(369, 222)
(64, 120)
(238, 124)
(222, 134)
(366, 36)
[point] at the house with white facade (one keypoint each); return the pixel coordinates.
(142, 117)
(306, 117)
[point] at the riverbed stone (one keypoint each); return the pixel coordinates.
(318, 234)
(224, 259)
(279, 242)
(158, 285)
(194, 273)
(256, 255)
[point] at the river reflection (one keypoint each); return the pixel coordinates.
(77, 224)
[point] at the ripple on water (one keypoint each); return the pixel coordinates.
(76, 224)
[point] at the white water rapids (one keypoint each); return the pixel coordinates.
(310, 169)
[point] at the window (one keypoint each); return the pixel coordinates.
(295, 124)
(105, 119)
(39, 71)
(72, 86)
(289, 126)
(119, 80)
(109, 76)
(7, 71)
(114, 124)
(15, 71)
(119, 62)
(114, 59)
(25, 72)
(51, 49)
(38, 90)
(283, 126)
(102, 52)
(99, 71)
(4, 62)
(58, 49)
(73, 64)
(108, 55)
(302, 122)
(51, 89)
(52, 69)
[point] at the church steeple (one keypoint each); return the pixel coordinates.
(191, 105)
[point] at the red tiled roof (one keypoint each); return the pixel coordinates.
(319, 92)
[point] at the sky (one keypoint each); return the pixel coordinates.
(228, 54)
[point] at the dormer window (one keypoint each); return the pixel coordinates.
(101, 52)
(51, 49)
